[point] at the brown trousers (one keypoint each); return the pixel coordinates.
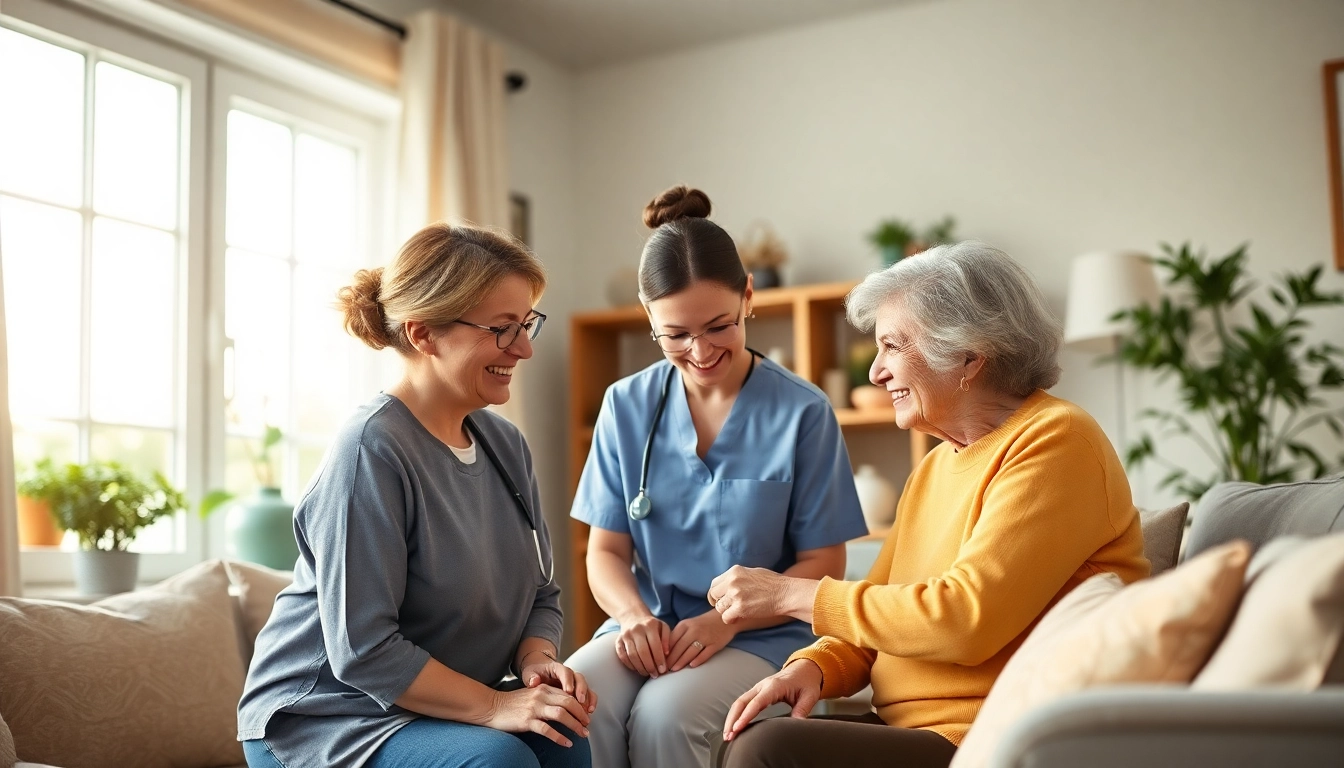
(853, 741)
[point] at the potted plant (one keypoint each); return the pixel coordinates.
(106, 505)
(891, 237)
(37, 525)
(1251, 387)
(260, 529)
(896, 239)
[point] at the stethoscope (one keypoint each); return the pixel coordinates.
(517, 495)
(641, 505)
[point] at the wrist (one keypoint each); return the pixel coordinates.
(522, 660)
(632, 615)
(800, 596)
(821, 675)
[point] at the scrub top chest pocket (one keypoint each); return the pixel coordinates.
(752, 520)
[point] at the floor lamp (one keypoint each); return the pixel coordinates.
(1100, 285)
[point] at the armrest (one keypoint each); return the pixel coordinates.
(1160, 726)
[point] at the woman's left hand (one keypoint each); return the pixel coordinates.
(696, 639)
(544, 671)
(750, 593)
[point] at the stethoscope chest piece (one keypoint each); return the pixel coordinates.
(640, 507)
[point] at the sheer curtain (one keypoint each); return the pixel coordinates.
(9, 516)
(454, 157)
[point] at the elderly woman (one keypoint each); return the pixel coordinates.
(1023, 500)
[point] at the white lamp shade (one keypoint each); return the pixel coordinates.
(1100, 285)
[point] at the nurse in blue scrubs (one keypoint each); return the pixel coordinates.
(711, 458)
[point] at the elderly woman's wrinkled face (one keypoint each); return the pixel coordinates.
(922, 397)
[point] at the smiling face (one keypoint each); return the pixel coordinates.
(473, 371)
(924, 399)
(709, 308)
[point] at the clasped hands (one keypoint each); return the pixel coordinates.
(647, 646)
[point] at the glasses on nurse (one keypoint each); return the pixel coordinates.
(717, 335)
(507, 333)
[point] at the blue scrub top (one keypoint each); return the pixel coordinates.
(776, 481)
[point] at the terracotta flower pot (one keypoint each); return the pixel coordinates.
(37, 528)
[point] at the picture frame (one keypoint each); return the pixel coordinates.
(1332, 78)
(520, 217)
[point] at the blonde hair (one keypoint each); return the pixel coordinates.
(440, 274)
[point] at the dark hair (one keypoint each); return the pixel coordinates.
(439, 275)
(685, 247)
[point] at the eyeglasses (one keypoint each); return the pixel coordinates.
(506, 334)
(717, 336)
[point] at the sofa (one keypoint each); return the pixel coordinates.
(149, 678)
(1290, 723)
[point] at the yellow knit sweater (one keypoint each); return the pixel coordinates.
(986, 539)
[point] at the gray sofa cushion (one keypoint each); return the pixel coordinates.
(1259, 513)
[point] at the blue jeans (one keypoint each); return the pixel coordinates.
(431, 743)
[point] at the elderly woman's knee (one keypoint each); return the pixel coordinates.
(769, 743)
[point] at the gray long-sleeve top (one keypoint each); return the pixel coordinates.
(404, 553)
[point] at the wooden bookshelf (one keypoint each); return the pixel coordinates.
(812, 311)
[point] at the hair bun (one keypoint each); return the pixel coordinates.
(679, 202)
(365, 318)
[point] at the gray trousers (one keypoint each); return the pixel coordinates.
(641, 722)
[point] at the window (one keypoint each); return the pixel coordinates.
(146, 326)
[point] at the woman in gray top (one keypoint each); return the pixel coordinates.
(425, 568)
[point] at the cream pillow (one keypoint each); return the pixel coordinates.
(1158, 630)
(256, 587)
(149, 679)
(1287, 632)
(7, 756)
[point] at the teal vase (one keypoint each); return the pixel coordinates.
(892, 254)
(262, 530)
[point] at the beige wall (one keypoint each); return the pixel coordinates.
(1048, 127)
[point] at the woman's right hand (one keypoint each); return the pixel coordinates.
(643, 644)
(534, 709)
(798, 683)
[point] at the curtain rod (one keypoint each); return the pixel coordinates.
(395, 28)
(514, 81)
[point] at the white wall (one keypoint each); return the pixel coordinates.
(1048, 127)
(541, 167)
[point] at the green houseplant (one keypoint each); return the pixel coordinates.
(896, 239)
(37, 525)
(1251, 382)
(260, 529)
(106, 505)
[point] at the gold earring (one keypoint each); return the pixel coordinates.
(965, 386)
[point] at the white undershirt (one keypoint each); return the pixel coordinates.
(465, 455)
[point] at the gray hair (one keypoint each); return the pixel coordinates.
(969, 297)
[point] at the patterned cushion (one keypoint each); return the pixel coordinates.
(149, 679)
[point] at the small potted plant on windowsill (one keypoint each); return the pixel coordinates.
(260, 529)
(107, 505)
(37, 525)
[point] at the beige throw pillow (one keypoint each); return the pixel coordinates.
(256, 587)
(149, 679)
(1158, 630)
(1287, 632)
(7, 756)
(1162, 531)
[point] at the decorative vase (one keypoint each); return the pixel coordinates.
(100, 572)
(261, 530)
(892, 254)
(877, 498)
(37, 528)
(765, 277)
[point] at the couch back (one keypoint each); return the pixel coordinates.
(1259, 513)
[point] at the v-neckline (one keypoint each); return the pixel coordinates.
(689, 440)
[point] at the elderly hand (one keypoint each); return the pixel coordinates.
(798, 683)
(759, 593)
(540, 669)
(696, 639)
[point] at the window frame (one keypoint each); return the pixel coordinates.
(158, 40)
